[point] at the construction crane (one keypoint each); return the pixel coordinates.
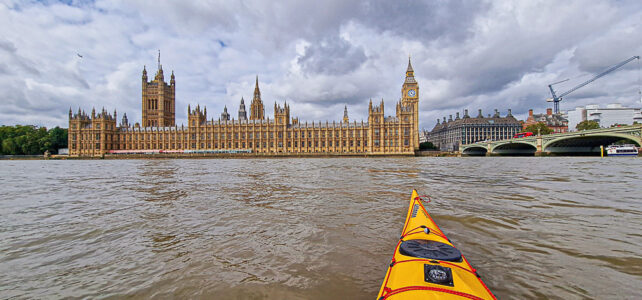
(557, 98)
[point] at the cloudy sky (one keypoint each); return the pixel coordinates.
(316, 55)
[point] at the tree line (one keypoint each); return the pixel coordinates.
(31, 140)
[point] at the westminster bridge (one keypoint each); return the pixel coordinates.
(584, 142)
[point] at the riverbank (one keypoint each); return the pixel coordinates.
(203, 156)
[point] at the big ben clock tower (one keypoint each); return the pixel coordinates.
(410, 97)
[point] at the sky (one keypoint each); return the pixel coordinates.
(319, 56)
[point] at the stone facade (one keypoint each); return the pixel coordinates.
(450, 134)
(99, 134)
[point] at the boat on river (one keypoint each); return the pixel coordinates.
(622, 150)
(426, 265)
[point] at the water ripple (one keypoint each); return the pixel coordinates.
(555, 228)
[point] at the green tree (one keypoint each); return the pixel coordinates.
(427, 146)
(21, 139)
(57, 138)
(540, 126)
(588, 124)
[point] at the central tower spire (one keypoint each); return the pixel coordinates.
(257, 112)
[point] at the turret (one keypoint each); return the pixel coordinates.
(225, 116)
(124, 122)
(345, 115)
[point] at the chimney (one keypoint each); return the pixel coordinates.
(549, 111)
(480, 114)
(450, 118)
(509, 113)
(466, 113)
(530, 112)
(457, 118)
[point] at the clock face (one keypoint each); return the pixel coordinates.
(411, 93)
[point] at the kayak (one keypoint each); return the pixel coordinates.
(426, 265)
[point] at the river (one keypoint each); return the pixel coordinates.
(534, 227)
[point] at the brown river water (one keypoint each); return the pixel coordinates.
(535, 228)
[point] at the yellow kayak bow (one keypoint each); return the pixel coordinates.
(426, 265)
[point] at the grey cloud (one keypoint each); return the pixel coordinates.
(448, 21)
(332, 56)
(466, 54)
(7, 46)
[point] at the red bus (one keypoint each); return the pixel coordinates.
(522, 134)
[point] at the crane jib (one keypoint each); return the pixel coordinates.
(556, 99)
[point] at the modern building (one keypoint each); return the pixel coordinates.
(97, 134)
(556, 122)
(613, 114)
(450, 134)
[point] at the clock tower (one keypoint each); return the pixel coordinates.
(410, 98)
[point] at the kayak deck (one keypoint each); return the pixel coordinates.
(426, 265)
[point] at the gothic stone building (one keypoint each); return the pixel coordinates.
(99, 134)
(449, 135)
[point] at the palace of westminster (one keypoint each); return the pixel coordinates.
(98, 134)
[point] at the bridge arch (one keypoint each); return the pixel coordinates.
(475, 151)
(586, 144)
(515, 148)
